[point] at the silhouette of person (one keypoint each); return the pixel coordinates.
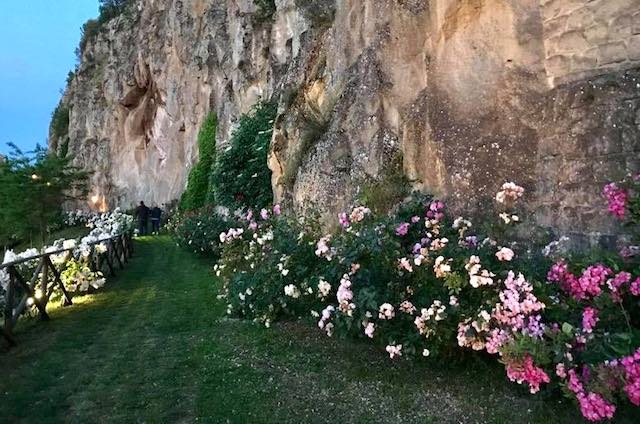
(156, 214)
(142, 212)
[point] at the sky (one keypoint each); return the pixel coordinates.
(38, 39)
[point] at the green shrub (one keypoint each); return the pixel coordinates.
(70, 77)
(266, 10)
(64, 148)
(60, 121)
(389, 190)
(197, 190)
(89, 31)
(109, 9)
(255, 283)
(241, 177)
(199, 231)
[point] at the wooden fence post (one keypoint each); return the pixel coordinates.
(58, 279)
(109, 261)
(45, 285)
(119, 247)
(116, 253)
(8, 312)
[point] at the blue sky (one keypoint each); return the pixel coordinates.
(37, 43)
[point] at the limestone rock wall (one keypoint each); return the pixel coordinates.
(468, 93)
(145, 85)
(584, 38)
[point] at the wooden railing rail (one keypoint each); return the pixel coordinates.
(46, 278)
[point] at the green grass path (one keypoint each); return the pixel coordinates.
(155, 347)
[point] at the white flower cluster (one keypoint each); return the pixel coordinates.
(103, 227)
(323, 250)
(510, 192)
(434, 312)
(324, 288)
(232, 234)
(292, 291)
(78, 217)
(478, 276)
(386, 311)
(442, 267)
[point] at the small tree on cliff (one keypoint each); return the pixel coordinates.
(110, 9)
(33, 188)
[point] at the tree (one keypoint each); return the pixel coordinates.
(34, 186)
(110, 9)
(195, 196)
(241, 176)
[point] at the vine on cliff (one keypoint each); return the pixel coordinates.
(195, 195)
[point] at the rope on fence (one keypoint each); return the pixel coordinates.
(119, 249)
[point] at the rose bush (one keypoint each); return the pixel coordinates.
(198, 230)
(422, 282)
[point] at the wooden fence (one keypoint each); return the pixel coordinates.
(38, 289)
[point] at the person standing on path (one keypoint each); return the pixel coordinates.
(142, 212)
(156, 214)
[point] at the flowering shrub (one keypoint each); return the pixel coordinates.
(77, 217)
(78, 277)
(198, 231)
(426, 284)
(269, 267)
(75, 272)
(240, 176)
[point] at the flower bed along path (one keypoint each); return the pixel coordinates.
(154, 346)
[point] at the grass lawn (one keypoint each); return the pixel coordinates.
(155, 347)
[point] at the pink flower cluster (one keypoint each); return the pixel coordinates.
(232, 234)
(591, 280)
(593, 406)
(518, 305)
(435, 211)
(526, 371)
(631, 365)
(616, 199)
(496, 339)
(403, 229)
(394, 350)
(589, 319)
(357, 214)
(345, 295)
(558, 272)
(589, 284)
(635, 287)
(343, 219)
(617, 282)
(322, 248)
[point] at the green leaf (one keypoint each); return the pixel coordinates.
(567, 328)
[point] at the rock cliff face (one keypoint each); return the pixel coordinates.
(469, 93)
